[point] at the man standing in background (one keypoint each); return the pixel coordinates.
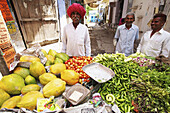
(126, 35)
(156, 42)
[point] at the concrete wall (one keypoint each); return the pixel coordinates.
(144, 11)
(167, 12)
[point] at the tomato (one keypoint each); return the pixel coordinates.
(80, 76)
(77, 69)
(76, 64)
(66, 62)
(87, 80)
(74, 57)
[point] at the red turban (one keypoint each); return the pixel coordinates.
(76, 8)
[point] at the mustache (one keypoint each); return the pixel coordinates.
(77, 18)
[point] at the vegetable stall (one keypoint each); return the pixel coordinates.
(59, 83)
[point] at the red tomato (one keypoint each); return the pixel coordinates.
(74, 57)
(78, 69)
(84, 76)
(66, 62)
(80, 76)
(87, 80)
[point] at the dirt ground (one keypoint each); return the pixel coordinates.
(101, 40)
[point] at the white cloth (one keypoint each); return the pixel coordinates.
(126, 39)
(158, 44)
(76, 42)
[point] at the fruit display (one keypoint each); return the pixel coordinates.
(53, 57)
(140, 84)
(76, 64)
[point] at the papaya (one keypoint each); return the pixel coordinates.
(54, 88)
(57, 68)
(46, 77)
(25, 58)
(50, 58)
(23, 72)
(62, 56)
(30, 80)
(11, 102)
(52, 52)
(70, 77)
(3, 96)
(48, 63)
(37, 69)
(29, 100)
(30, 87)
(44, 52)
(12, 83)
(58, 60)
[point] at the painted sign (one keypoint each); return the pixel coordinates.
(5, 44)
(5, 11)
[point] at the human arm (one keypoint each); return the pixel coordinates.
(116, 37)
(140, 44)
(87, 44)
(136, 40)
(165, 51)
(64, 41)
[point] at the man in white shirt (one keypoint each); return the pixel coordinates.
(156, 42)
(126, 35)
(76, 39)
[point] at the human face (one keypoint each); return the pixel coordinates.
(157, 24)
(129, 19)
(75, 16)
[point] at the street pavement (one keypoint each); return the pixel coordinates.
(101, 39)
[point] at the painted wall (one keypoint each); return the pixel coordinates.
(167, 12)
(144, 11)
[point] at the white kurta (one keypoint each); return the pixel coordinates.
(158, 44)
(126, 39)
(76, 42)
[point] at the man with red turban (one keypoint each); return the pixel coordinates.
(76, 39)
